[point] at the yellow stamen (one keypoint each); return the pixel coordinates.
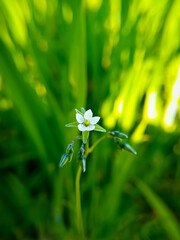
(86, 122)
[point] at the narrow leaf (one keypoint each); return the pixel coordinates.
(73, 124)
(168, 220)
(99, 128)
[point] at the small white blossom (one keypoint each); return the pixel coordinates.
(87, 121)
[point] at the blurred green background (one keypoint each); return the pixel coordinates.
(119, 58)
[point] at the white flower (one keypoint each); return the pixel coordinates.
(87, 121)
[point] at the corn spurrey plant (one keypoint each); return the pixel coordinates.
(86, 123)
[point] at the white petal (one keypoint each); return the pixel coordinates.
(90, 128)
(79, 118)
(94, 120)
(82, 128)
(88, 114)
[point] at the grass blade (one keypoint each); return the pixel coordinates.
(168, 220)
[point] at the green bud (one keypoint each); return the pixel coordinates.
(67, 157)
(81, 157)
(81, 152)
(64, 160)
(69, 149)
(118, 142)
(70, 156)
(118, 134)
(83, 164)
(124, 146)
(128, 148)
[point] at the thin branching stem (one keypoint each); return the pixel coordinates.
(78, 137)
(89, 150)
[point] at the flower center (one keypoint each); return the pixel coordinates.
(86, 122)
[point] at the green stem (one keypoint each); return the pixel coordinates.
(78, 195)
(89, 150)
(78, 137)
(78, 203)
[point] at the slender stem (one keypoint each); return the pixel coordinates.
(78, 195)
(78, 203)
(78, 137)
(89, 150)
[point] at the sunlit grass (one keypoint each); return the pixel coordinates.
(119, 58)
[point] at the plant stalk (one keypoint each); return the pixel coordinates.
(78, 194)
(89, 150)
(78, 203)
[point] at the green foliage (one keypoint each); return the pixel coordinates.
(118, 58)
(168, 220)
(99, 128)
(85, 136)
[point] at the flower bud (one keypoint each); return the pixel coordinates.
(124, 146)
(69, 148)
(82, 157)
(64, 160)
(67, 157)
(128, 148)
(81, 152)
(118, 142)
(70, 151)
(118, 134)
(83, 164)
